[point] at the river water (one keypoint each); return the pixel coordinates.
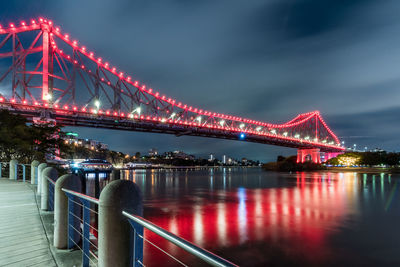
(257, 218)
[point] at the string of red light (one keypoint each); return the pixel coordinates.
(142, 87)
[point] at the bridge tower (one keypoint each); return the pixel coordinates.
(313, 154)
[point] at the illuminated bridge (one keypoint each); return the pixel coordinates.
(47, 75)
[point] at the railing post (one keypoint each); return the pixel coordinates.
(41, 167)
(34, 165)
(63, 213)
(23, 172)
(36, 174)
(115, 233)
(86, 233)
(48, 173)
(13, 169)
(1, 168)
(138, 244)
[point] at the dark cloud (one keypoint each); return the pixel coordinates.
(267, 60)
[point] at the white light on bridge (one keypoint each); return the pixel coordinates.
(97, 104)
(285, 134)
(137, 110)
(199, 118)
(258, 128)
(241, 126)
(296, 136)
(273, 131)
(307, 138)
(222, 123)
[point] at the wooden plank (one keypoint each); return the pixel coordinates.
(23, 241)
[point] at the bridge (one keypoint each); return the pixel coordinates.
(49, 76)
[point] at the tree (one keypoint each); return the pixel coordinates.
(25, 142)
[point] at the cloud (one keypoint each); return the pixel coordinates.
(267, 60)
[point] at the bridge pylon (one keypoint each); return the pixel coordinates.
(312, 154)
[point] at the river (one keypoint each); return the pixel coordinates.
(257, 218)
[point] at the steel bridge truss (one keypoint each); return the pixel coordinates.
(49, 73)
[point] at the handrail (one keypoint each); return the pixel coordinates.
(51, 181)
(80, 195)
(201, 253)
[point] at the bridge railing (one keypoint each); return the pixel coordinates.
(83, 234)
(138, 223)
(52, 185)
(19, 172)
(81, 226)
(4, 171)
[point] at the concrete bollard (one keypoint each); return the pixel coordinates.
(13, 169)
(34, 165)
(115, 233)
(71, 182)
(52, 174)
(41, 167)
(115, 175)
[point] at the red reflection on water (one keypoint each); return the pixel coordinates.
(298, 219)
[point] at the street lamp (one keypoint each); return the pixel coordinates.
(97, 103)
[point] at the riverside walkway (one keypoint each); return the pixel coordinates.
(23, 240)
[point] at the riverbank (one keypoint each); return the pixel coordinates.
(363, 169)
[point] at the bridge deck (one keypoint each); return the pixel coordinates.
(23, 241)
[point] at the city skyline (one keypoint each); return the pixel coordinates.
(262, 60)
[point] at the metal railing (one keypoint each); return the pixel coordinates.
(18, 171)
(3, 169)
(138, 223)
(81, 226)
(76, 202)
(52, 185)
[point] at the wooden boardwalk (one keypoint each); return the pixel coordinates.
(23, 241)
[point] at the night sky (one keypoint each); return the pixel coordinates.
(267, 60)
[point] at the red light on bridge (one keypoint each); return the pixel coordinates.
(24, 102)
(33, 21)
(40, 19)
(46, 105)
(23, 23)
(12, 25)
(56, 106)
(84, 109)
(122, 115)
(115, 113)
(66, 37)
(75, 108)
(107, 112)
(74, 43)
(1, 99)
(13, 100)
(66, 107)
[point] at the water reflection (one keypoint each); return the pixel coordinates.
(253, 217)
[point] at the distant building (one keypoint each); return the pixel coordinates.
(153, 152)
(178, 155)
(71, 138)
(224, 159)
(211, 157)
